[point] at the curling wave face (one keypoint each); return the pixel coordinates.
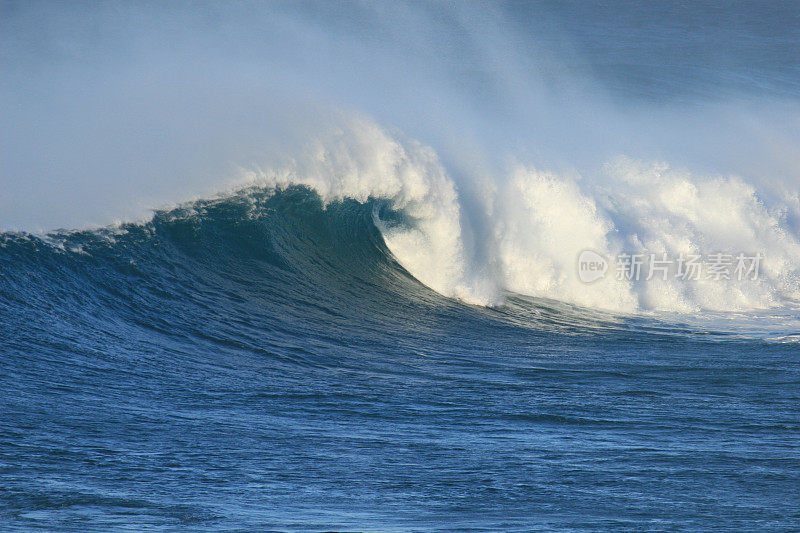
(526, 232)
(259, 266)
(272, 265)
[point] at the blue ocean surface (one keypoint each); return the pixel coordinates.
(358, 342)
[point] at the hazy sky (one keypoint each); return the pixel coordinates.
(111, 109)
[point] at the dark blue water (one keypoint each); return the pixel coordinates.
(261, 363)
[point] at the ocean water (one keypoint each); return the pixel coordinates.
(316, 267)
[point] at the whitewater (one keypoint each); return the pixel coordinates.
(348, 266)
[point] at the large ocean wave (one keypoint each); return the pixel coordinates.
(359, 207)
(525, 232)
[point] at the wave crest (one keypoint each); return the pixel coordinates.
(537, 223)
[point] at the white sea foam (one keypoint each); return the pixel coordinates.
(538, 223)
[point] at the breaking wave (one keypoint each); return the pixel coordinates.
(525, 234)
